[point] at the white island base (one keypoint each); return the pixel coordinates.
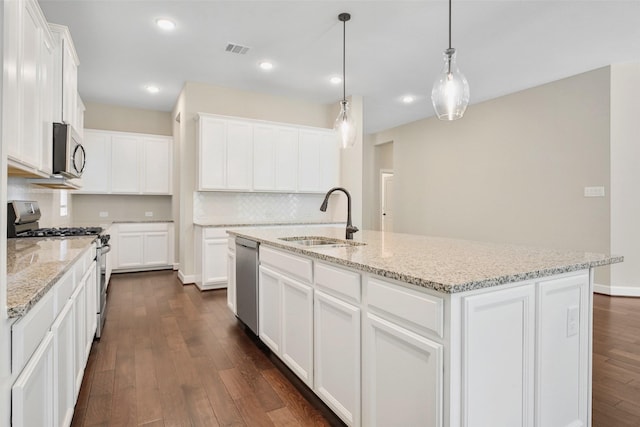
(380, 352)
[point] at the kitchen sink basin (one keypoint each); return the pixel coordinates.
(320, 241)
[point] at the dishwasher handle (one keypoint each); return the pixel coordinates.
(252, 244)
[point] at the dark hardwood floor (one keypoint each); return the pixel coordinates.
(171, 355)
(616, 361)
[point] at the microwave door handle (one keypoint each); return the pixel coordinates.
(75, 166)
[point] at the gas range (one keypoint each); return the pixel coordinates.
(61, 232)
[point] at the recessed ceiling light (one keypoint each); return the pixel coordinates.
(152, 89)
(336, 80)
(266, 65)
(408, 99)
(165, 24)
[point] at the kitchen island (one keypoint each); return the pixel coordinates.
(414, 330)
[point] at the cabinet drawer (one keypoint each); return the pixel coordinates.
(301, 268)
(63, 290)
(337, 281)
(416, 310)
(27, 332)
(143, 227)
(215, 232)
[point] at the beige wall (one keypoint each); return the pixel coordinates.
(512, 170)
(625, 176)
(198, 97)
(125, 119)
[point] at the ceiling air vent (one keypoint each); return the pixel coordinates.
(236, 48)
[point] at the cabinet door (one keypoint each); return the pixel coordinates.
(97, 172)
(231, 281)
(79, 301)
(125, 165)
(264, 157)
(498, 333)
(12, 75)
(31, 142)
(297, 328)
(286, 160)
(69, 84)
(130, 250)
(156, 248)
(212, 136)
(329, 161)
(239, 155)
(45, 90)
(64, 364)
(92, 306)
(269, 308)
(214, 262)
(403, 376)
(562, 361)
(32, 395)
(309, 161)
(337, 356)
(156, 166)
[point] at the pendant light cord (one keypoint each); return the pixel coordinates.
(344, 56)
(449, 24)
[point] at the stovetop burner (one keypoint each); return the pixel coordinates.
(61, 232)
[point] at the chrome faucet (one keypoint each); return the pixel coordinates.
(350, 227)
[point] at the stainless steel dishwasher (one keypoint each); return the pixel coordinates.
(247, 282)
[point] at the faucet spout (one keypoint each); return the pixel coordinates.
(350, 227)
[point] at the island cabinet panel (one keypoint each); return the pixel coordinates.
(498, 357)
(402, 376)
(337, 356)
(562, 365)
(63, 343)
(231, 275)
(269, 311)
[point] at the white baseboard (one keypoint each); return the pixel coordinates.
(176, 266)
(617, 291)
(186, 279)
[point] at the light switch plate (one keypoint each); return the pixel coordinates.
(104, 214)
(593, 191)
(148, 214)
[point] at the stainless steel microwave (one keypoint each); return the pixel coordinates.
(68, 153)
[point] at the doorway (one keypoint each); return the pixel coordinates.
(386, 200)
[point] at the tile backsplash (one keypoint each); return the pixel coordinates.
(243, 208)
(48, 199)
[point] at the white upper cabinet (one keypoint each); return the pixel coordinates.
(248, 155)
(275, 158)
(127, 163)
(27, 99)
(66, 102)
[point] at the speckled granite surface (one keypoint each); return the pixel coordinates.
(264, 224)
(34, 265)
(441, 264)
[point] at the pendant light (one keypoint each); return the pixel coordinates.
(344, 125)
(450, 93)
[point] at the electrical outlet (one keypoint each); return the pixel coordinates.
(104, 214)
(148, 214)
(593, 191)
(573, 320)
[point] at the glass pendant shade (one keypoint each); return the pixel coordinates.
(345, 126)
(450, 94)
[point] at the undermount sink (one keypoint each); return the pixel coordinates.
(320, 241)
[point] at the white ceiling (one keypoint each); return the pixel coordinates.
(394, 47)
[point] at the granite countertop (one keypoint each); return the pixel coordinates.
(263, 224)
(34, 265)
(442, 264)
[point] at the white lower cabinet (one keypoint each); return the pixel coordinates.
(402, 376)
(498, 335)
(297, 325)
(337, 356)
(231, 275)
(79, 301)
(269, 309)
(64, 378)
(33, 395)
(142, 246)
(211, 249)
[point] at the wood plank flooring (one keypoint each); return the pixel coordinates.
(171, 355)
(616, 361)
